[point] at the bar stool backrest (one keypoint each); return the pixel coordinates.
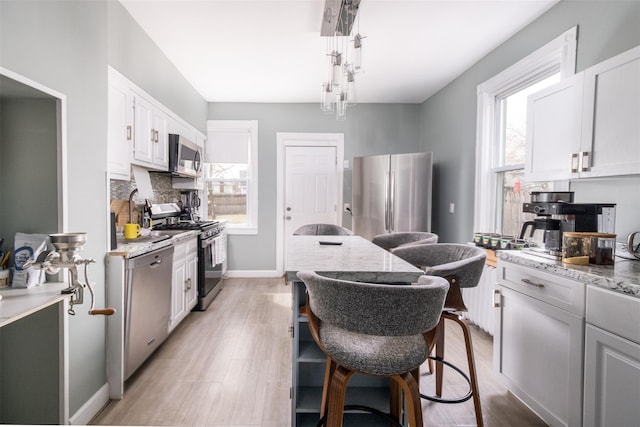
(322, 230)
(390, 241)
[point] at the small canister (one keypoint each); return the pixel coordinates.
(602, 249)
(576, 247)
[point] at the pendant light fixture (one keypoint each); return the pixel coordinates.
(344, 56)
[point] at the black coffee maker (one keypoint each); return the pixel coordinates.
(190, 204)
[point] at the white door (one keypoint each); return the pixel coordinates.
(309, 183)
(310, 187)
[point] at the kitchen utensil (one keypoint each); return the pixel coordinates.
(5, 259)
(633, 250)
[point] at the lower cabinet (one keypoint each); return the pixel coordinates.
(184, 283)
(612, 360)
(308, 378)
(538, 341)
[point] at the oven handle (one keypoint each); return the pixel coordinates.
(210, 240)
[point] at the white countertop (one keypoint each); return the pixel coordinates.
(623, 276)
(355, 259)
(133, 248)
(17, 303)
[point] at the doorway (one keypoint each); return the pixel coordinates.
(309, 184)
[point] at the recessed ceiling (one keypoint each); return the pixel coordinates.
(271, 51)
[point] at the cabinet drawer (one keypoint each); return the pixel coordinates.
(558, 291)
(614, 312)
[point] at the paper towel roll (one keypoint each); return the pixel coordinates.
(143, 182)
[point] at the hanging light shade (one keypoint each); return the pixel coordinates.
(357, 53)
(350, 87)
(326, 98)
(336, 68)
(341, 105)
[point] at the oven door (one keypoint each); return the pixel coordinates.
(211, 263)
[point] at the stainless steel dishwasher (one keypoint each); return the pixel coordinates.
(147, 305)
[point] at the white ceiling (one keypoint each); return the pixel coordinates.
(271, 51)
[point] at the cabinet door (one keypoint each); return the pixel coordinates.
(612, 380)
(120, 131)
(611, 118)
(192, 281)
(161, 140)
(144, 131)
(538, 353)
(553, 131)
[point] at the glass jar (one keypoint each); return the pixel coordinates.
(576, 247)
(602, 249)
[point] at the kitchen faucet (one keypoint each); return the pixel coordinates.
(135, 190)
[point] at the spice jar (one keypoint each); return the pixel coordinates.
(602, 249)
(576, 247)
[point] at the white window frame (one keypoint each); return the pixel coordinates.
(559, 55)
(250, 126)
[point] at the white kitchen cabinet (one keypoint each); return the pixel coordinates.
(184, 283)
(611, 116)
(120, 128)
(554, 124)
(538, 341)
(151, 135)
(612, 359)
(587, 125)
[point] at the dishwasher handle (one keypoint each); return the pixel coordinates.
(156, 262)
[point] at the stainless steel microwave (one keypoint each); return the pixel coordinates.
(185, 157)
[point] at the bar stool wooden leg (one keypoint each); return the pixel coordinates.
(412, 397)
(472, 366)
(336, 397)
(440, 355)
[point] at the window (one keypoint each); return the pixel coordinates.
(231, 174)
(501, 142)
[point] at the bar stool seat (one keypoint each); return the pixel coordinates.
(322, 230)
(461, 265)
(390, 241)
(373, 329)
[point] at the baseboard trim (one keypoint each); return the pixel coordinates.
(252, 273)
(90, 409)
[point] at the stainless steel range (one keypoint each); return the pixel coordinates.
(212, 249)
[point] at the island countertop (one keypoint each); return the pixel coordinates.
(356, 258)
(623, 276)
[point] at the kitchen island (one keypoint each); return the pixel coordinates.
(34, 367)
(353, 258)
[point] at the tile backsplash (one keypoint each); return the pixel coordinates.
(161, 184)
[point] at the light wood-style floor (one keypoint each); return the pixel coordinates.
(231, 366)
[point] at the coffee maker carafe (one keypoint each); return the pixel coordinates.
(543, 232)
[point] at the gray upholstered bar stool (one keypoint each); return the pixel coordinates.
(374, 329)
(390, 241)
(462, 266)
(322, 230)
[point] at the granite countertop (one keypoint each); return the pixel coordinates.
(133, 248)
(355, 258)
(623, 276)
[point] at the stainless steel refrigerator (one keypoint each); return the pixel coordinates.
(391, 193)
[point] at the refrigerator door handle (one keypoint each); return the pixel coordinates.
(386, 202)
(392, 198)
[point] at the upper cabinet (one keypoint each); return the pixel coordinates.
(120, 128)
(587, 125)
(553, 131)
(139, 127)
(611, 116)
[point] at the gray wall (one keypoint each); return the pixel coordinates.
(369, 129)
(135, 55)
(66, 46)
(448, 119)
(28, 167)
